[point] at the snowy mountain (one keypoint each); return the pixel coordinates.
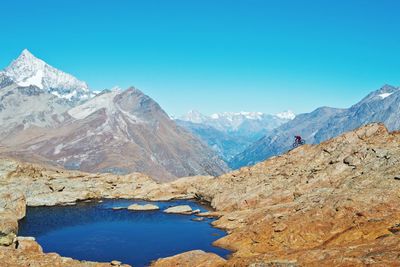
(118, 131)
(382, 105)
(239, 121)
(229, 133)
(286, 115)
(194, 116)
(27, 70)
(48, 116)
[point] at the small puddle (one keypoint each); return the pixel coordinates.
(94, 231)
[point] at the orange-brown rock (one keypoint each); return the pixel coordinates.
(331, 204)
(28, 256)
(193, 258)
(28, 244)
(325, 205)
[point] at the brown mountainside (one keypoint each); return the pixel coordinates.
(118, 132)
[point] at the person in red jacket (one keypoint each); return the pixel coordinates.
(298, 139)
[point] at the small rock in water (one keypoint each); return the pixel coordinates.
(198, 219)
(21, 238)
(183, 209)
(118, 208)
(137, 207)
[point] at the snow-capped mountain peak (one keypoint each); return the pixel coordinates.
(286, 115)
(194, 116)
(231, 116)
(29, 70)
(238, 121)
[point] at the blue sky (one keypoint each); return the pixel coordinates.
(213, 56)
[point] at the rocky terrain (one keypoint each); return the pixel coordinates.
(333, 204)
(50, 117)
(323, 123)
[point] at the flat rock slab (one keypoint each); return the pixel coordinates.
(196, 258)
(183, 209)
(146, 207)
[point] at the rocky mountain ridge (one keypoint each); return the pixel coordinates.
(382, 105)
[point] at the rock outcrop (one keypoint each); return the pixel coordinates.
(183, 209)
(326, 205)
(333, 204)
(30, 255)
(196, 258)
(146, 207)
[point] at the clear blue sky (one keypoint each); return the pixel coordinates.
(213, 56)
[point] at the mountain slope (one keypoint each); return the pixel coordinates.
(25, 107)
(230, 133)
(120, 132)
(382, 105)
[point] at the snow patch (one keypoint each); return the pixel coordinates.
(58, 149)
(215, 116)
(97, 103)
(384, 95)
(35, 80)
(286, 115)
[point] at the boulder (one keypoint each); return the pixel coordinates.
(146, 207)
(183, 209)
(28, 244)
(12, 200)
(8, 228)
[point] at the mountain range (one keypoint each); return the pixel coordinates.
(382, 105)
(230, 133)
(51, 117)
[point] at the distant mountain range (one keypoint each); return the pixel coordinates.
(230, 133)
(324, 123)
(49, 116)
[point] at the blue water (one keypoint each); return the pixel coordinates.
(94, 231)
